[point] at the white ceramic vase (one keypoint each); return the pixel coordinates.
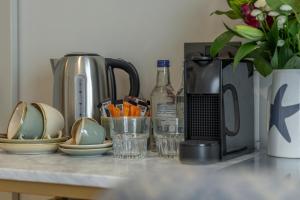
(284, 118)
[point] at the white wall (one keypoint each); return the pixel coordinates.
(8, 64)
(140, 31)
(5, 61)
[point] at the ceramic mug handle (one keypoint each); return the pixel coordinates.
(21, 137)
(58, 135)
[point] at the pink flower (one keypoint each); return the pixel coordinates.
(252, 21)
(246, 10)
(270, 21)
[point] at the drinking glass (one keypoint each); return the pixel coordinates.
(129, 135)
(168, 133)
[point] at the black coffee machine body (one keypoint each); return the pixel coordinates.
(219, 106)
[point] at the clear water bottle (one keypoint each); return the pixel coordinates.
(180, 106)
(162, 97)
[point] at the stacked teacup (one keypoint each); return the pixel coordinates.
(88, 138)
(34, 128)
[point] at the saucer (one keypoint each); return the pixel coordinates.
(37, 141)
(29, 148)
(68, 145)
(85, 152)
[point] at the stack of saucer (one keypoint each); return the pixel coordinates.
(33, 129)
(38, 146)
(87, 139)
(85, 150)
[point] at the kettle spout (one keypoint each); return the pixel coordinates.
(54, 63)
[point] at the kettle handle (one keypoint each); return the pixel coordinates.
(111, 64)
(236, 110)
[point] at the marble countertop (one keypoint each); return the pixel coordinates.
(97, 171)
(256, 177)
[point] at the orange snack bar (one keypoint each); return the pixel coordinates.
(111, 109)
(129, 107)
(117, 112)
(126, 109)
(137, 112)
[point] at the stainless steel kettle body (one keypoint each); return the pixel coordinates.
(82, 81)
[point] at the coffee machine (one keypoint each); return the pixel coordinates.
(219, 106)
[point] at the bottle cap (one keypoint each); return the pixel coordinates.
(163, 63)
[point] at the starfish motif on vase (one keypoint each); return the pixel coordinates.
(279, 113)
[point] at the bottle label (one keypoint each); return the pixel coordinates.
(166, 110)
(166, 125)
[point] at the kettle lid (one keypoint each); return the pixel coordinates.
(81, 54)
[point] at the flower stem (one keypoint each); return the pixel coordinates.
(267, 25)
(263, 29)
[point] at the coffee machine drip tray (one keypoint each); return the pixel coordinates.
(199, 151)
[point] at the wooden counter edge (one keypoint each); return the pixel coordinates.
(50, 189)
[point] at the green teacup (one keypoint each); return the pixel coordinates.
(87, 131)
(26, 123)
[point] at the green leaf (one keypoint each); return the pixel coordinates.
(298, 40)
(293, 27)
(235, 5)
(262, 66)
(220, 42)
(284, 54)
(274, 4)
(230, 13)
(274, 60)
(273, 36)
(260, 51)
(232, 30)
(295, 4)
(243, 51)
(249, 32)
(293, 63)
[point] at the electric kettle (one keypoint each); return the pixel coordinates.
(83, 80)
